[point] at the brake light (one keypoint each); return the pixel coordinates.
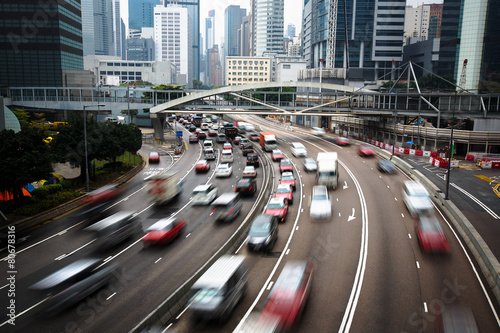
(237, 189)
(250, 188)
(230, 211)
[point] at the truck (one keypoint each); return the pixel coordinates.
(327, 172)
(164, 187)
(230, 131)
(240, 125)
(268, 141)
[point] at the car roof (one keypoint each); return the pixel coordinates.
(202, 188)
(202, 162)
(415, 188)
(320, 190)
(249, 167)
(225, 198)
(110, 220)
(277, 200)
(223, 165)
(219, 272)
(277, 151)
(286, 173)
(284, 185)
(66, 273)
(162, 224)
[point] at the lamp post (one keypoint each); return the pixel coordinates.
(451, 149)
(321, 61)
(85, 142)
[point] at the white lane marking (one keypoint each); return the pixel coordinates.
(297, 228)
(74, 251)
(113, 294)
(396, 199)
(62, 232)
(409, 236)
(418, 265)
(340, 215)
(402, 215)
(302, 210)
(157, 260)
(351, 217)
(473, 198)
(188, 235)
(287, 251)
(242, 243)
(345, 185)
(473, 267)
(21, 313)
(270, 285)
(387, 186)
(425, 307)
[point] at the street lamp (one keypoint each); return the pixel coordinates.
(451, 148)
(85, 142)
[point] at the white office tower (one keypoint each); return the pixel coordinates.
(267, 26)
(172, 36)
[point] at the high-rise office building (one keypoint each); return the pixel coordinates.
(290, 31)
(375, 31)
(141, 13)
(267, 26)
(193, 7)
(232, 23)
(39, 41)
(244, 36)
(101, 28)
(210, 30)
(172, 35)
(423, 22)
(140, 49)
(473, 38)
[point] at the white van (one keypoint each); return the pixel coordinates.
(217, 292)
(298, 149)
(226, 156)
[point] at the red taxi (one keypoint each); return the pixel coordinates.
(288, 179)
(284, 191)
(277, 207)
(202, 166)
(164, 231)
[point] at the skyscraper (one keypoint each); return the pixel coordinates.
(210, 30)
(101, 27)
(193, 7)
(232, 23)
(172, 37)
(290, 30)
(267, 26)
(39, 41)
(141, 13)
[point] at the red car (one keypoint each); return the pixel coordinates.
(366, 151)
(286, 165)
(154, 157)
(277, 207)
(202, 166)
(289, 294)
(197, 130)
(430, 234)
(236, 140)
(277, 155)
(212, 132)
(284, 191)
(288, 179)
(164, 231)
(342, 141)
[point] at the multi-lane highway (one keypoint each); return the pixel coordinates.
(369, 272)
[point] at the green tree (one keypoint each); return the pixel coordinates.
(25, 158)
(133, 113)
(23, 117)
(274, 97)
(435, 82)
(165, 96)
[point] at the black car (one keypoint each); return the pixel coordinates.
(253, 159)
(247, 149)
(386, 166)
(246, 186)
(263, 233)
(192, 128)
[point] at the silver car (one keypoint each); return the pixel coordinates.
(416, 198)
(204, 194)
(321, 206)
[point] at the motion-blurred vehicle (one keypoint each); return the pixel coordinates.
(114, 229)
(253, 159)
(246, 186)
(223, 170)
(366, 151)
(249, 172)
(285, 191)
(456, 318)
(416, 198)
(164, 231)
(288, 179)
(321, 207)
(193, 139)
(202, 166)
(328, 169)
(204, 126)
(268, 141)
(73, 283)
(298, 149)
(286, 165)
(217, 292)
(253, 136)
(277, 155)
(342, 141)
(247, 149)
(154, 157)
(310, 165)
(386, 166)
(277, 207)
(227, 206)
(98, 203)
(290, 292)
(317, 131)
(227, 156)
(430, 235)
(164, 187)
(263, 233)
(243, 142)
(204, 194)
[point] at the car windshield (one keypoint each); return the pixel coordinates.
(243, 182)
(285, 163)
(287, 177)
(201, 163)
(429, 224)
(276, 152)
(283, 189)
(276, 205)
(260, 229)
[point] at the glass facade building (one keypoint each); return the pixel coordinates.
(267, 26)
(38, 41)
(140, 13)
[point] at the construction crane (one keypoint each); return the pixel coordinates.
(463, 76)
(332, 34)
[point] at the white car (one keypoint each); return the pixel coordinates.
(215, 126)
(321, 206)
(318, 131)
(224, 170)
(226, 156)
(227, 145)
(249, 172)
(298, 149)
(416, 198)
(204, 194)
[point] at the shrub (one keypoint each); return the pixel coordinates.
(44, 191)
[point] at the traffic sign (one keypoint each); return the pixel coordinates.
(178, 134)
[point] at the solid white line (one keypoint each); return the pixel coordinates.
(270, 285)
(409, 236)
(242, 243)
(297, 228)
(287, 251)
(113, 294)
(188, 235)
(425, 307)
(74, 251)
(418, 265)
(486, 208)
(473, 267)
(21, 313)
(157, 260)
